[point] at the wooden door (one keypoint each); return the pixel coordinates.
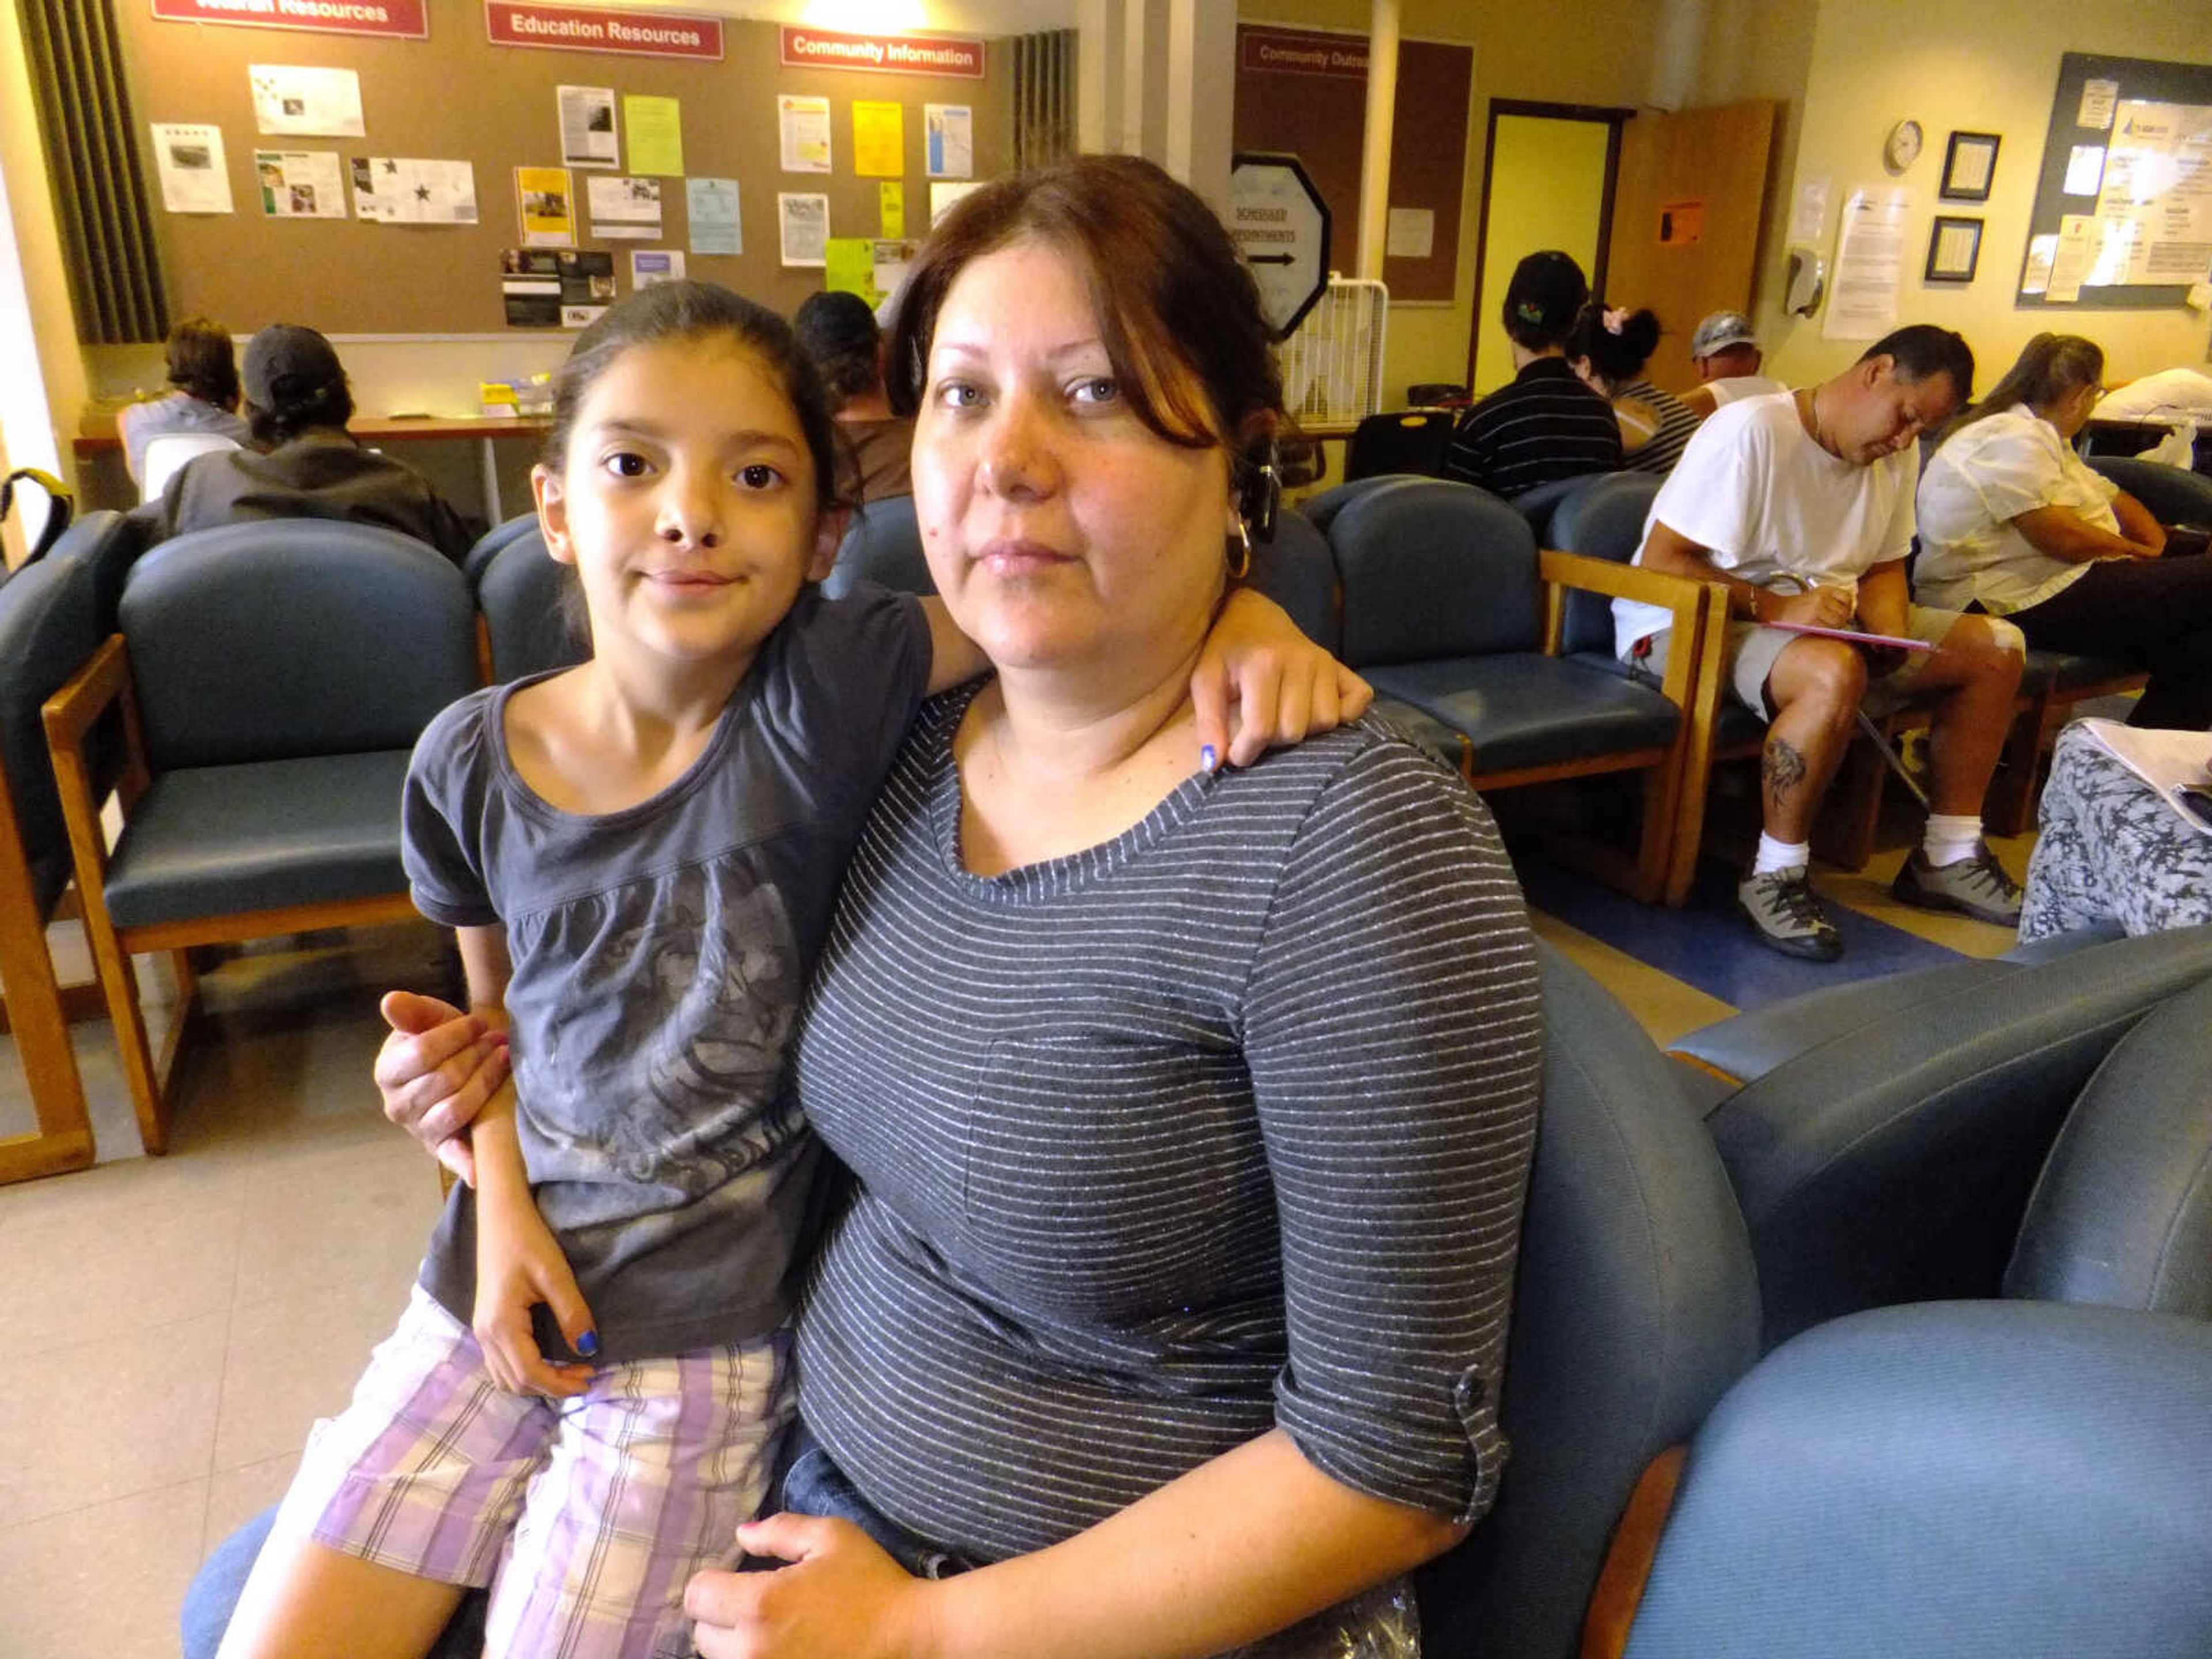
(1687, 209)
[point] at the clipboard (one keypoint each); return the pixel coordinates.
(1853, 636)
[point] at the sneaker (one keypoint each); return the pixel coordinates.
(1789, 914)
(1975, 886)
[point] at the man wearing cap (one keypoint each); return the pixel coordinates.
(1800, 505)
(1726, 353)
(304, 464)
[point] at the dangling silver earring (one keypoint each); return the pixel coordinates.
(1241, 567)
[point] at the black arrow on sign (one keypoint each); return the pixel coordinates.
(1274, 259)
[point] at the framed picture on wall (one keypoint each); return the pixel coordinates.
(1970, 161)
(1954, 248)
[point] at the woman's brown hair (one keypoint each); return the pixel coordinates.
(2049, 366)
(201, 361)
(1178, 312)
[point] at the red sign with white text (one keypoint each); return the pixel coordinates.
(596, 29)
(1302, 52)
(887, 54)
(405, 19)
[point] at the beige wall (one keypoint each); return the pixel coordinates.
(38, 247)
(1987, 66)
(1571, 51)
(1547, 191)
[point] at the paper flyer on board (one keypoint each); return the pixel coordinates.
(878, 139)
(949, 140)
(546, 209)
(711, 206)
(190, 161)
(649, 266)
(803, 133)
(624, 208)
(318, 102)
(656, 135)
(299, 184)
(803, 229)
(399, 190)
(588, 126)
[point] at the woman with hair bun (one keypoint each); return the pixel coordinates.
(1544, 424)
(2014, 522)
(1608, 348)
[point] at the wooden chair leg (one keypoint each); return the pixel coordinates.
(39, 1023)
(1846, 829)
(2012, 792)
(118, 978)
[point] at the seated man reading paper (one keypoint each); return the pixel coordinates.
(1801, 505)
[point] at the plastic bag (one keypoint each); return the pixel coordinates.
(2177, 448)
(1381, 1623)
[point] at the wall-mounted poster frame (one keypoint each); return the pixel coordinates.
(1954, 250)
(2090, 107)
(1970, 163)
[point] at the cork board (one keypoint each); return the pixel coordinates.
(1322, 118)
(458, 97)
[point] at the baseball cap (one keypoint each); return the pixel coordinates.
(1721, 330)
(285, 363)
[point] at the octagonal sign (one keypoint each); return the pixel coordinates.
(1280, 224)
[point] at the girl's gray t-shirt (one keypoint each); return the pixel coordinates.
(659, 954)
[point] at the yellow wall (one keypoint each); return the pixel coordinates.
(1985, 66)
(1546, 191)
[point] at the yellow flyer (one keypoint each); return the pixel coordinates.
(656, 135)
(547, 210)
(892, 197)
(849, 262)
(878, 139)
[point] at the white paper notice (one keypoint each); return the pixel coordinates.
(2158, 185)
(2079, 242)
(942, 196)
(1412, 234)
(803, 224)
(194, 179)
(1809, 218)
(588, 126)
(1869, 261)
(949, 140)
(324, 101)
(399, 190)
(299, 184)
(648, 266)
(804, 124)
(2085, 170)
(2098, 98)
(624, 209)
(2035, 278)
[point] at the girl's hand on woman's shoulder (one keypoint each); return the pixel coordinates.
(838, 1593)
(1284, 688)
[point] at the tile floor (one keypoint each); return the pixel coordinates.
(178, 1322)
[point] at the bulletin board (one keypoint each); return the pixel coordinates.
(457, 96)
(2145, 112)
(1319, 114)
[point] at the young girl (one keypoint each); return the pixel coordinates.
(639, 855)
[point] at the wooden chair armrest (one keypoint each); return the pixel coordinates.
(1627, 1566)
(1623, 581)
(103, 684)
(71, 711)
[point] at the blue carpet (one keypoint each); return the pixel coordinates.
(1707, 944)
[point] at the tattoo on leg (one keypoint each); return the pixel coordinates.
(1781, 768)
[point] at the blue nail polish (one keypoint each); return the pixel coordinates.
(1208, 760)
(588, 1344)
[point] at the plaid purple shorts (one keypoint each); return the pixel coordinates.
(585, 1516)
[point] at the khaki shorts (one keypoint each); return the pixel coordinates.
(1748, 655)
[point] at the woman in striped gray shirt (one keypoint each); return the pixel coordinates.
(1191, 1113)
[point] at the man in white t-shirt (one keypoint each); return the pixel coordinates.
(1801, 505)
(1725, 351)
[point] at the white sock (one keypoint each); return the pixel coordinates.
(1950, 837)
(1779, 855)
